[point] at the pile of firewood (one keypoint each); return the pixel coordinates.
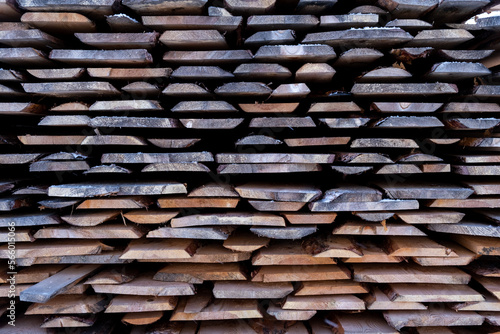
(250, 166)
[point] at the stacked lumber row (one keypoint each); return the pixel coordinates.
(263, 166)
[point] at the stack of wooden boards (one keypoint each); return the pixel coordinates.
(251, 166)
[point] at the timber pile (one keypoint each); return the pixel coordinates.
(251, 166)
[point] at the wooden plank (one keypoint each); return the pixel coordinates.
(173, 143)
(69, 321)
(492, 284)
(71, 89)
(145, 249)
(478, 244)
(180, 272)
(144, 285)
(287, 253)
(267, 168)
(69, 304)
(241, 218)
(144, 40)
(251, 290)
(124, 202)
(383, 205)
(289, 315)
(215, 57)
(245, 241)
(317, 141)
(61, 23)
(258, 140)
(211, 253)
(102, 57)
(151, 7)
(317, 53)
(107, 231)
(280, 22)
(406, 107)
(96, 189)
(150, 216)
(128, 73)
(465, 203)
(441, 38)
(261, 71)
(22, 235)
(219, 309)
(385, 74)
(468, 227)
(490, 304)
(366, 37)
(377, 300)
(426, 293)
(273, 37)
(431, 216)
(464, 256)
(282, 122)
(211, 123)
(66, 120)
(78, 289)
(211, 233)
(331, 246)
(106, 257)
(364, 228)
(213, 189)
(276, 206)
(21, 108)
(300, 273)
(372, 253)
(126, 105)
(182, 22)
(143, 318)
(49, 249)
(124, 303)
(402, 89)
(24, 57)
(298, 193)
(399, 319)
(33, 274)
(249, 7)
(310, 218)
(90, 218)
(269, 107)
(114, 275)
(354, 323)
(333, 302)
(203, 106)
(95, 7)
(57, 283)
(55, 166)
(318, 288)
(416, 246)
(201, 72)
(193, 40)
(408, 273)
(194, 202)
(290, 233)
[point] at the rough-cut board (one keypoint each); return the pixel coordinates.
(240, 218)
(57, 283)
(378, 300)
(408, 273)
(334, 302)
(440, 317)
(287, 253)
(160, 249)
(179, 272)
(124, 303)
(144, 285)
(300, 273)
